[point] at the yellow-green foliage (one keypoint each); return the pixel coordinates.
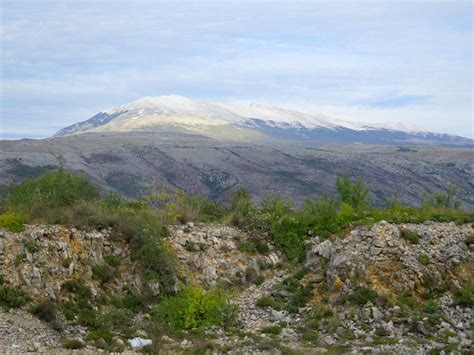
(50, 191)
(192, 308)
(12, 221)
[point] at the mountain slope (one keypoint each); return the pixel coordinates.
(247, 122)
(136, 163)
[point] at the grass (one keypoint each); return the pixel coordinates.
(411, 236)
(424, 259)
(73, 344)
(14, 222)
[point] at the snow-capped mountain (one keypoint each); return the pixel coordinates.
(252, 122)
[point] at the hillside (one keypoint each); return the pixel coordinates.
(135, 164)
(371, 291)
(177, 272)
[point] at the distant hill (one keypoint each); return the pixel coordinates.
(134, 163)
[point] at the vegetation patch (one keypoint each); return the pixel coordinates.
(361, 296)
(193, 308)
(11, 297)
(411, 236)
(73, 344)
(424, 259)
(12, 221)
(47, 311)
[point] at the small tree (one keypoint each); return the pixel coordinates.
(354, 194)
(448, 200)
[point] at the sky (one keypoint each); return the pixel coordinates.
(371, 61)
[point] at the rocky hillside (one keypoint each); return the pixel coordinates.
(136, 164)
(383, 288)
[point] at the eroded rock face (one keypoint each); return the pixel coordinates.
(211, 254)
(40, 259)
(381, 257)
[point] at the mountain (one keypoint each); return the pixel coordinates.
(249, 123)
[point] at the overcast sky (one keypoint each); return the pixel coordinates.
(380, 61)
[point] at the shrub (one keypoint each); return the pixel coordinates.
(12, 298)
(157, 260)
(103, 272)
(51, 190)
(265, 301)
(193, 308)
(82, 291)
(12, 221)
(465, 296)
(260, 279)
(361, 296)
(113, 260)
(73, 344)
(272, 329)
(254, 246)
(431, 306)
(469, 239)
(87, 317)
(30, 245)
(412, 237)
(322, 215)
(289, 234)
(354, 194)
(424, 259)
(47, 311)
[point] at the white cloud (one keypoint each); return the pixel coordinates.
(333, 57)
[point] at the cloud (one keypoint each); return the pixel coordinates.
(63, 61)
(394, 101)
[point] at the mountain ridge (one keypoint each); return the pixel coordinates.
(249, 122)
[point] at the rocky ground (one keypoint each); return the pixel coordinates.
(383, 288)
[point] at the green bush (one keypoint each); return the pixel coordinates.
(254, 246)
(465, 296)
(83, 292)
(73, 344)
(113, 260)
(361, 296)
(52, 190)
(193, 308)
(289, 234)
(265, 301)
(103, 272)
(47, 311)
(260, 279)
(323, 215)
(354, 194)
(424, 259)
(411, 236)
(12, 298)
(30, 245)
(272, 329)
(12, 221)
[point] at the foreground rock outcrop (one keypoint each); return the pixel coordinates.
(382, 288)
